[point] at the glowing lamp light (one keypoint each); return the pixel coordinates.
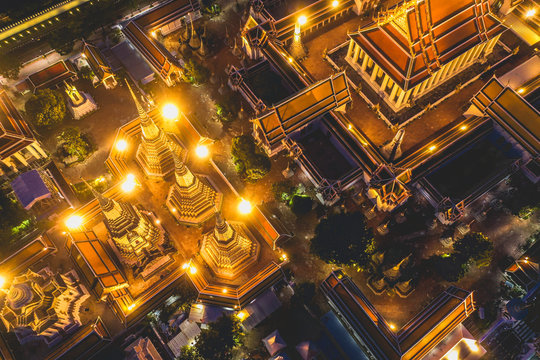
(290, 59)
(185, 266)
(173, 210)
(472, 345)
(192, 269)
(530, 13)
(335, 3)
(202, 151)
(153, 33)
(199, 306)
(463, 127)
(453, 355)
(74, 222)
(241, 315)
(392, 326)
(224, 291)
(131, 307)
(170, 112)
(158, 221)
(2, 282)
(349, 127)
(129, 184)
(432, 147)
(521, 91)
(244, 207)
(302, 20)
(121, 145)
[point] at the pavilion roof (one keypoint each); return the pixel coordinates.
(97, 259)
(293, 113)
(51, 75)
(29, 188)
(416, 38)
(97, 62)
(512, 112)
(166, 13)
(14, 131)
(417, 337)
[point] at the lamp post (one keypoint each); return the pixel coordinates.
(297, 49)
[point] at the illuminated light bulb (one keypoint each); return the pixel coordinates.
(129, 184)
(193, 269)
(432, 147)
(244, 207)
(170, 111)
(530, 13)
(121, 145)
(74, 222)
(302, 20)
(202, 151)
(335, 3)
(2, 282)
(463, 127)
(521, 90)
(224, 291)
(185, 266)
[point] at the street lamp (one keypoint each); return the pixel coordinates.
(121, 145)
(74, 222)
(530, 13)
(129, 184)
(202, 151)
(244, 207)
(170, 112)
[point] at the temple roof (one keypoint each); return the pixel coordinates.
(512, 112)
(166, 13)
(14, 131)
(52, 75)
(30, 188)
(97, 62)
(412, 342)
(415, 38)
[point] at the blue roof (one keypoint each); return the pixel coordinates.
(29, 188)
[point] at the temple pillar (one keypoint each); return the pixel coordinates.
(445, 70)
(364, 63)
(351, 46)
(415, 90)
(491, 45)
(356, 53)
(374, 73)
(478, 51)
(437, 76)
(21, 158)
(9, 163)
(393, 93)
(32, 151)
(407, 96)
(38, 148)
(384, 82)
(401, 97)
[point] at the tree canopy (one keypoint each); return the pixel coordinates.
(217, 341)
(195, 72)
(343, 239)
(9, 66)
(475, 246)
(75, 143)
(301, 204)
(251, 163)
(46, 108)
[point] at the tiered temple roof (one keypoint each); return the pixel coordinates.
(414, 340)
(416, 38)
(15, 134)
(228, 249)
(101, 68)
(137, 239)
(153, 154)
(190, 200)
(42, 305)
(51, 76)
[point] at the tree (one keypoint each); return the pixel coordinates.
(75, 143)
(195, 73)
(46, 108)
(250, 162)
(475, 246)
(12, 218)
(283, 190)
(449, 267)
(216, 341)
(301, 204)
(86, 73)
(9, 66)
(343, 239)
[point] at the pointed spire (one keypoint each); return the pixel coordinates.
(148, 127)
(105, 203)
(223, 230)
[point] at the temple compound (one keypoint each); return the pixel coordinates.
(144, 30)
(190, 200)
(42, 306)
(154, 155)
(17, 143)
(228, 249)
(434, 333)
(417, 45)
(102, 73)
(141, 244)
(79, 103)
